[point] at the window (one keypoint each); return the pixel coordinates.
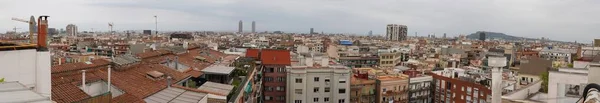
(298, 80)
(269, 88)
(342, 91)
(342, 80)
(315, 99)
(326, 80)
(280, 88)
(327, 89)
(281, 98)
(326, 99)
(297, 101)
(269, 70)
(267, 97)
(298, 91)
(316, 89)
(342, 101)
(268, 79)
(316, 79)
(280, 79)
(281, 70)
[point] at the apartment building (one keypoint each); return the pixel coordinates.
(363, 86)
(272, 64)
(389, 58)
(420, 87)
(396, 32)
(392, 88)
(456, 85)
(313, 80)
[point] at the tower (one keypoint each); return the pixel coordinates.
(311, 31)
(396, 32)
(240, 27)
(482, 36)
(253, 27)
(496, 63)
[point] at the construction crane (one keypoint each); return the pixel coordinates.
(110, 25)
(32, 27)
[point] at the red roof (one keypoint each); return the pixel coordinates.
(253, 53)
(275, 57)
(80, 66)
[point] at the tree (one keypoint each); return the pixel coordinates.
(1, 80)
(544, 77)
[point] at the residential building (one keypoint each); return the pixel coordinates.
(363, 86)
(396, 32)
(389, 58)
(253, 27)
(27, 64)
(559, 55)
(273, 67)
(531, 69)
(420, 87)
(240, 28)
(461, 86)
(312, 79)
(72, 30)
(392, 88)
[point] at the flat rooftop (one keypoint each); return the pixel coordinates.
(175, 95)
(218, 69)
(216, 88)
(8, 46)
(15, 92)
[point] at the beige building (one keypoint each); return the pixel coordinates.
(313, 80)
(392, 88)
(389, 58)
(363, 86)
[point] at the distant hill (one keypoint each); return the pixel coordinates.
(491, 35)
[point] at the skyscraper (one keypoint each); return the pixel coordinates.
(253, 27)
(396, 32)
(311, 31)
(482, 36)
(371, 33)
(72, 30)
(240, 27)
(444, 36)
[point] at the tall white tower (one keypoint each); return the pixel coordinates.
(496, 62)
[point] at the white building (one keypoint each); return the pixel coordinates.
(396, 32)
(313, 80)
(27, 66)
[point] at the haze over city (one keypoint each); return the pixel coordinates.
(555, 19)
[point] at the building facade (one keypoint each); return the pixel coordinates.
(454, 86)
(312, 80)
(240, 28)
(392, 88)
(389, 59)
(272, 65)
(253, 27)
(362, 87)
(421, 89)
(72, 30)
(396, 32)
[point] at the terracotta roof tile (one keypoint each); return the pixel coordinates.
(275, 57)
(252, 53)
(127, 98)
(79, 66)
(67, 93)
(149, 54)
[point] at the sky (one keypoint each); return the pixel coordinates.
(565, 20)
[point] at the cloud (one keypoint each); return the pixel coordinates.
(567, 20)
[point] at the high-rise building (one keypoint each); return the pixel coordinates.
(52, 31)
(596, 42)
(240, 27)
(444, 36)
(482, 36)
(311, 31)
(72, 30)
(396, 32)
(371, 33)
(253, 27)
(314, 80)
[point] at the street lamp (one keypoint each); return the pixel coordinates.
(496, 63)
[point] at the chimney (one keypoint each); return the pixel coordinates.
(83, 86)
(169, 81)
(176, 63)
(42, 32)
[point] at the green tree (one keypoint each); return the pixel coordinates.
(570, 65)
(1, 80)
(544, 77)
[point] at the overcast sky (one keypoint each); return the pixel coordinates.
(566, 20)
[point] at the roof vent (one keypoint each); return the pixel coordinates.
(88, 62)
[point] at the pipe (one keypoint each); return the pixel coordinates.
(83, 86)
(109, 84)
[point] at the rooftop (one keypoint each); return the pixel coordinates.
(218, 69)
(15, 92)
(175, 95)
(216, 88)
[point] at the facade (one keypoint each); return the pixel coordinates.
(359, 61)
(312, 80)
(389, 59)
(363, 86)
(396, 32)
(421, 89)
(454, 85)
(273, 63)
(392, 88)
(557, 55)
(72, 30)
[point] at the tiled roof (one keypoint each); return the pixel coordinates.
(67, 93)
(149, 54)
(253, 53)
(275, 57)
(79, 66)
(127, 98)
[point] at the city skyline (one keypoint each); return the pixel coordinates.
(532, 19)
